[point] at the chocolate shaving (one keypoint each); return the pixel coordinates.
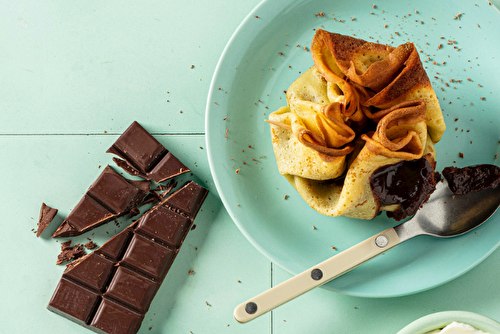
(69, 253)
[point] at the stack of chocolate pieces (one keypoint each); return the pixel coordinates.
(111, 289)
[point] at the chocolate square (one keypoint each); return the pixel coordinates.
(132, 289)
(114, 192)
(92, 271)
(73, 302)
(139, 147)
(144, 156)
(87, 213)
(112, 318)
(168, 167)
(164, 225)
(148, 257)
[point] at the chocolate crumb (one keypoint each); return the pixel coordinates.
(90, 245)
(134, 212)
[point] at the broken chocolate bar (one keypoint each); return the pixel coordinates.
(144, 156)
(110, 290)
(47, 214)
(109, 197)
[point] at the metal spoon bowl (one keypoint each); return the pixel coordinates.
(446, 215)
(443, 215)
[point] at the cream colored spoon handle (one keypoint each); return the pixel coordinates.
(318, 275)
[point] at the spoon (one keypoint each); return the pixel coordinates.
(443, 215)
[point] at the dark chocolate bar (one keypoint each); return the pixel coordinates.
(110, 290)
(144, 156)
(47, 214)
(109, 197)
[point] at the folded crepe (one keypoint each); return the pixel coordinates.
(361, 106)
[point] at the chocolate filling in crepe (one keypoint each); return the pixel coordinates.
(362, 107)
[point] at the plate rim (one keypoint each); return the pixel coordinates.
(211, 164)
(231, 211)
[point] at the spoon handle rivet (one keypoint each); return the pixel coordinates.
(381, 241)
(251, 308)
(316, 274)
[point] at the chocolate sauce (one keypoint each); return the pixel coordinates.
(407, 183)
(473, 178)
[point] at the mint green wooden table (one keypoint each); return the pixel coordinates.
(74, 75)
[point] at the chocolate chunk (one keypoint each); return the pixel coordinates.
(110, 290)
(144, 156)
(188, 199)
(109, 197)
(66, 245)
(69, 253)
(407, 184)
(47, 214)
(465, 180)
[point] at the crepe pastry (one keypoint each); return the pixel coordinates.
(361, 108)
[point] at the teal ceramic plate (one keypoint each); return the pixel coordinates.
(268, 52)
(439, 320)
